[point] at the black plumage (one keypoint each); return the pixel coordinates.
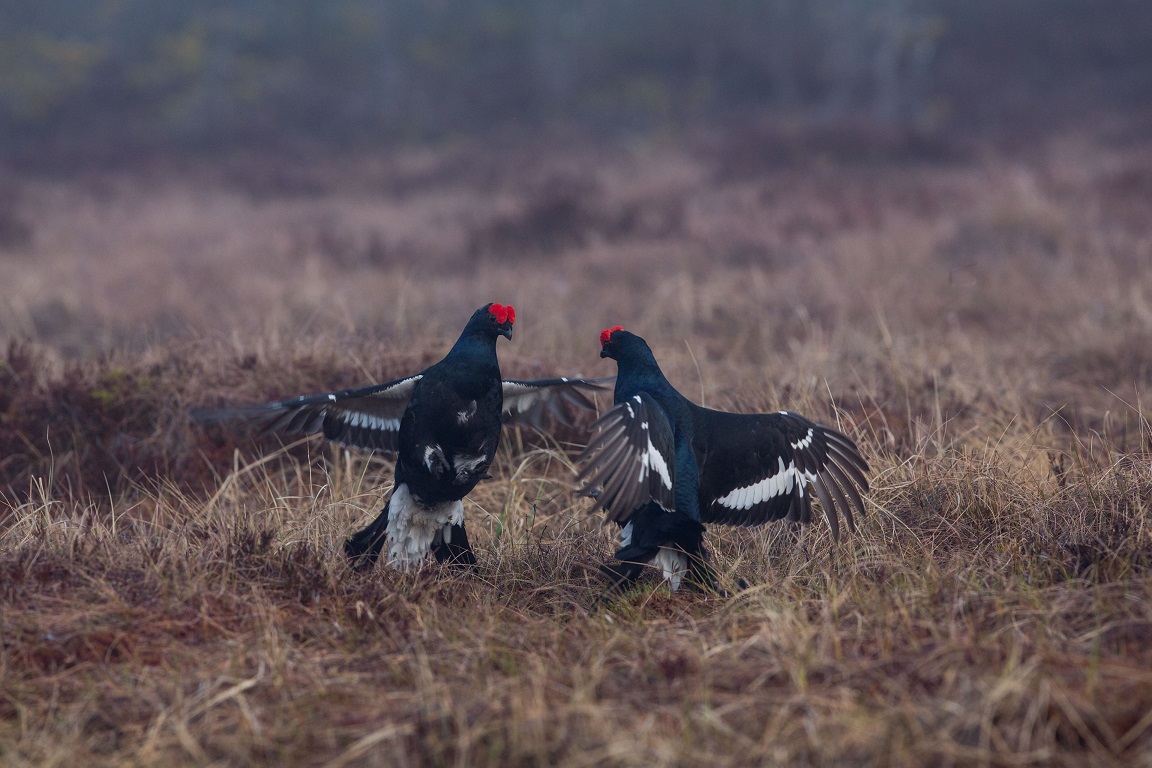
(663, 467)
(444, 425)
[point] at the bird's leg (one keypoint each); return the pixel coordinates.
(701, 576)
(451, 546)
(363, 547)
(622, 576)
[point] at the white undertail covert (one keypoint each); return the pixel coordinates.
(413, 527)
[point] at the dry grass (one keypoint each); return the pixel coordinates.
(983, 327)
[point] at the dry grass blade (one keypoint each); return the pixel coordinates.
(176, 594)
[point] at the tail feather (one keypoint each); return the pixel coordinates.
(363, 547)
(654, 530)
(456, 550)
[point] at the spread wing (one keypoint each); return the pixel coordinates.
(366, 417)
(762, 467)
(630, 461)
(369, 417)
(531, 403)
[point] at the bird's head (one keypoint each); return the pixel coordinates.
(499, 319)
(632, 354)
(611, 341)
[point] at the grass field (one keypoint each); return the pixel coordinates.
(979, 321)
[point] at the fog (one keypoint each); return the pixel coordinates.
(112, 82)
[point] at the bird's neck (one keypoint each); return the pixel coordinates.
(636, 375)
(475, 347)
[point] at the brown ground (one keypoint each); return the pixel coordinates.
(980, 322)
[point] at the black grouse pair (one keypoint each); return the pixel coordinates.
(660, 465)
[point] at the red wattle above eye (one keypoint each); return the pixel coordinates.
(503, 314)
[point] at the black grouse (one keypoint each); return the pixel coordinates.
(443, 423)
(662, 466)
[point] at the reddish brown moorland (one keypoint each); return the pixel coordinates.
(981, 323)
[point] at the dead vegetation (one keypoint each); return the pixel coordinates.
(981, 324)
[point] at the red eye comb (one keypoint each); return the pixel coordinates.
(607, 333)
(503, 314)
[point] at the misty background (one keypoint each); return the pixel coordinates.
(176, 169)
(114, 81)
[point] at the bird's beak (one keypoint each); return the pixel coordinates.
(506, 332)
(604, 352)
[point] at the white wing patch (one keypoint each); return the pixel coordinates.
(520, 397)
(781, 483)
(370, 421)
(803, 443)
(653, 460)
(397, 390)
(434, 459)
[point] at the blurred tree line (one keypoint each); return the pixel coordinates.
(130, 75)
